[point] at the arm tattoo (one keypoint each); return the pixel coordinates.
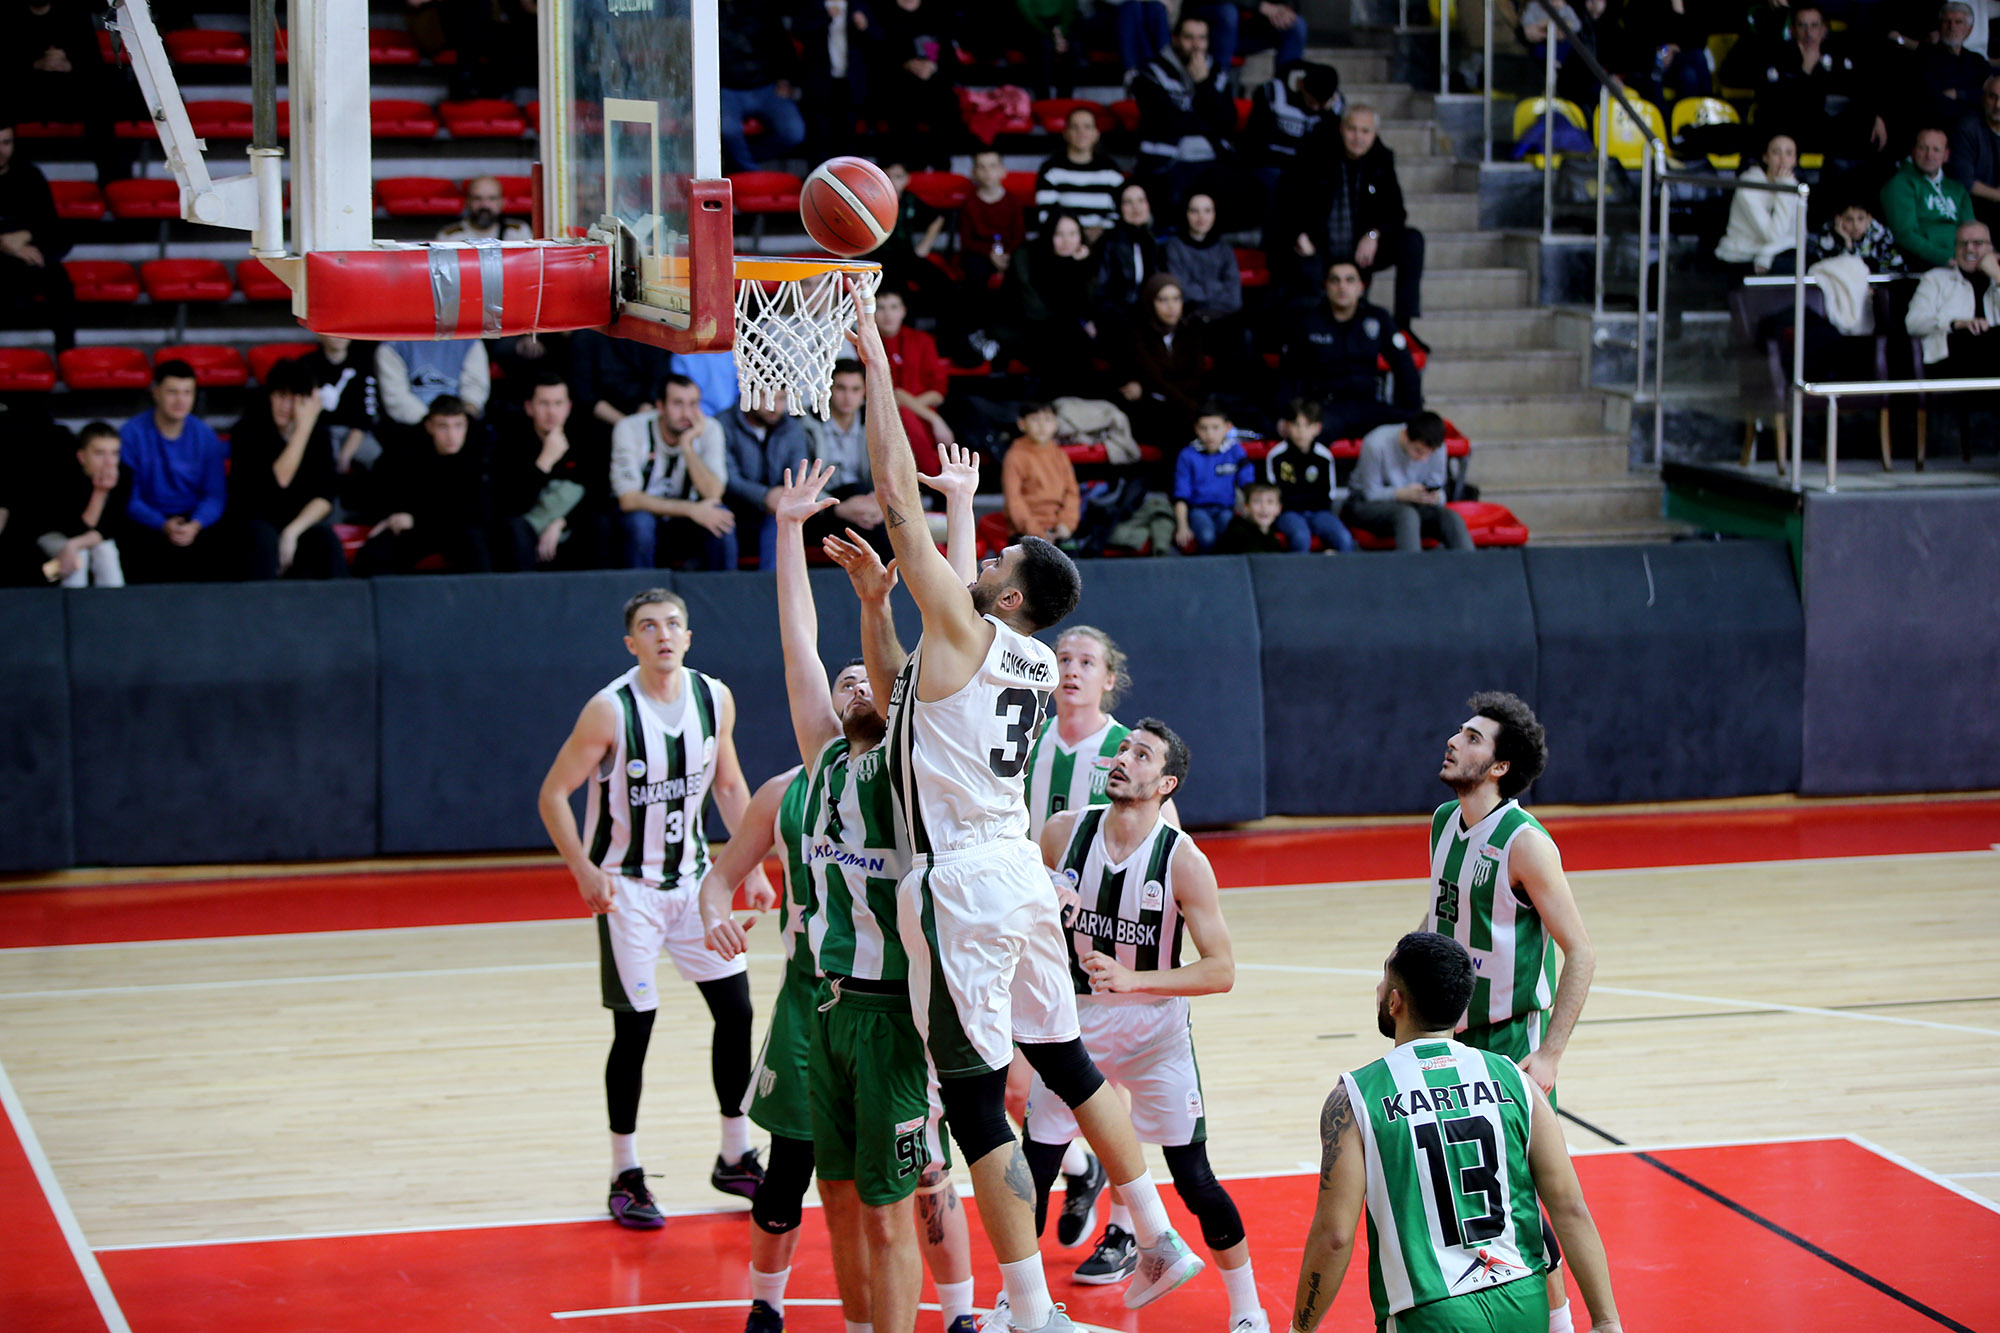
(1335, 1118)
(1309, 1307)
(896, 520)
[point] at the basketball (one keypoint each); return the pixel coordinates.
(848, 206)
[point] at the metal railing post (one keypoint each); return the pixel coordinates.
(1645, 247)
(1444, 46)
(1660, 338)
(1597, 300)
(1486, 80)
(1832, 442)
(1797, 450)
(1549, 137)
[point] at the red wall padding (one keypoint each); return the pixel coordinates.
(386, 294)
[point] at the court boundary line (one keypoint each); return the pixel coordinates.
(1936, 1178)
(52, 1192)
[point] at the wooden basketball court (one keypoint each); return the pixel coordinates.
(374, 1099)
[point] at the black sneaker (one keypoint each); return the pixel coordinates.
(1114, 1259)
(1080, 1204)
(632, 1203)
(742, 1179)
(763, 1319)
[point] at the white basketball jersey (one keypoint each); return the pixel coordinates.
(956, 762)
(1124, 908)
(643, 813)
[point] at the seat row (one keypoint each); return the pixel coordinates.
(115, 282)
(389, 118)
(398, 197)
(215, 47)
(1623, 141)
(216, 366)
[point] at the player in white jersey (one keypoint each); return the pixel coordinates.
(977, 912)
(1133, 884)
(1448, 1148)
(654, 744)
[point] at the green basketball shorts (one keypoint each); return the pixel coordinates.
(1520, 1306)
(873, 1120)
(780, 1096)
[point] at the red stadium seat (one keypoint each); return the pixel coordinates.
(533, 111)
(402, 118)
(1096, 455)
(1125, 114)
(134, 129)
(484, 118)
(1417, 354)
(215, 366)
(265, 355)
(352, 537)
(1243, 105)
(1053, 113)
(517, 195)
(111, 50)
(26, 370)
(1491, 524)
(258, 283)
(144, 198)
(1344, 451)
(765, 191)
(419, 197)
(186, 280)
(1021, 184)
(77, 201)
(207, 46)
(942, 190)
(220, 119)
(1252, 268)
(105, 368)
(980, 371)
(389, 46)
(986, 125)
(49, 129)
(103, 280)
(1255, 448)
(992, 533)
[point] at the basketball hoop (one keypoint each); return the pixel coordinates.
(792, 319)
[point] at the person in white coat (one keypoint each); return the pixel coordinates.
(1763, 224)
(1956, 310)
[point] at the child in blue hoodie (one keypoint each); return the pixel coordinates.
(1207, 476)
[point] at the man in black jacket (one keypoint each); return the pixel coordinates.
(756, 64)
(35, 291)
(1186, 115)
(1345, 203)
(1975, 155)
(1331, 351)
(440, 498)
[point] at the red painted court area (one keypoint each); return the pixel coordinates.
(1815, 1237)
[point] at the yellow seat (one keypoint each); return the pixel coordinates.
(1708, 111)
(1623, 141)
(1529, 112)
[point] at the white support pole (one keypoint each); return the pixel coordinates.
(333, 206)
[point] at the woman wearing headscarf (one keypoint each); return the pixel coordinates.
(1159, 374)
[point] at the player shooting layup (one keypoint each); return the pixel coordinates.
(977, 912)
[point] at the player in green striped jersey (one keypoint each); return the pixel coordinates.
(1074, 749)
(1449, 1149)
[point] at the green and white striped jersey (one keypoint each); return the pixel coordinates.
(1475, 903)
(855, 852)
(1069, 777)
(795, 904)
(644, 810)
(1451, 1201)
(1127, 909)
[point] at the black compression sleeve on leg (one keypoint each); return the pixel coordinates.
(776, 1205)
(1066, 1069)
(975, 1110)
(1044, 1162)
(625, 1067)
(1195, 1182)
(729, 1055)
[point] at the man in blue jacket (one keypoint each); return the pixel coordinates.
(179, 485)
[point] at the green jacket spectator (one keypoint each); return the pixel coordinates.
(1923, 206)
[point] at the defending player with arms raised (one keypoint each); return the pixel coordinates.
(1449, 1148)
(1136, 883)
(1497, 887)
(653, 744)
(977, 913)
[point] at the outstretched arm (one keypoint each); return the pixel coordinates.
(814, 722)
(1343, 1186)
(753, 839)
(881, 653)
(957, 479)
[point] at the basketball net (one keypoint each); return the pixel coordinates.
(792, 321)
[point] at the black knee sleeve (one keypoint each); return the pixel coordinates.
(1066, 1068)
(1044, 1163)
(1195, 1182)
(975, 1110)
(729, 1054)
(776, 1205)
(625, 1067)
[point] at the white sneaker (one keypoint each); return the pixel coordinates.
(1252, 1323)
(1059, 1322)
(997, 1319)
(1162, 1268)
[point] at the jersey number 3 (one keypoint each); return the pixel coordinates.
(1023, 710)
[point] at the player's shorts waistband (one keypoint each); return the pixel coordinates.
(657, 886)
(847, 993)
(868, 985)
(977, 852)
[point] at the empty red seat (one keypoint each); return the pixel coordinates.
(1491, 524)
(765, 191)
(1053, 113)
(26, 370)
(484, 118)
(402, 118)
(419, 197)
(105, 368)
(186, 280)
(517, 195)
(144, 198)
(207, 46)
(265, 355)
(940, 189)
(134, 129)
(258, 283)
(1243, 105)
(990, 120)
(1022, 185)
(49, 129)
(1252, 269)
(388, 46)
(1087, 455)
(215, 366)
(220, 119)
(78, 201)
(105, 280)
(1125, 114)
(1255, 448)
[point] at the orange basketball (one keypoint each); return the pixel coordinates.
(848, 206)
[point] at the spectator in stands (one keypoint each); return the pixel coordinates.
(1050, 298)
(35, 290)
(1923, 206)
(1284, 113)
(1161, 373)
(834, 35)
(920, 378)
(1956, 310)
(911, 86)
(1816, 92)
(1240, 26)
(1670, 37)
(1975, 154)
(1853, 230)
(439, 495)
(55, 72)
(1186, 115)
(1949, 75)
(1331, 352)
(993, 222)
(550, 483)
(482, 220)
(343, 371)
(1398, 487)
(761, 442)
(756, 65)
(615, 377)
(1128, 254)
(1763, 224)
(1256, 531)
(841, 442)
(1207, 475)
(1038, 481)
(669, 467)
(81, 513)
(1081, 179)
(281, 481)
(1345, 203)
(1142, 31)
(411, 375)
(1211, 284)
(905, 256)
(1303, 471)
(1046, 32)
(180, 485)
(1575, 81)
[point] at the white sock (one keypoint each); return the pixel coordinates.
(1121, 1217)
(1027, 1292)
(954, 1299)
(1241, 1284)
(770, 1287)
(1149, 1215)
(856, 1326)
(624, 1153)
(1076, 1161)
(1559, 1320)
(735, 1138)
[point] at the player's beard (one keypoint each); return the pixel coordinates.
(1383, 1022)
(864, 728)
(1464, 779)
(983, 598)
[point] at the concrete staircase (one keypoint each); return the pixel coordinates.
(1543, 443)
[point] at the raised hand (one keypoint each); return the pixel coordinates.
(798, 497)
(958, 473)
(864, 336)
(872, 579)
